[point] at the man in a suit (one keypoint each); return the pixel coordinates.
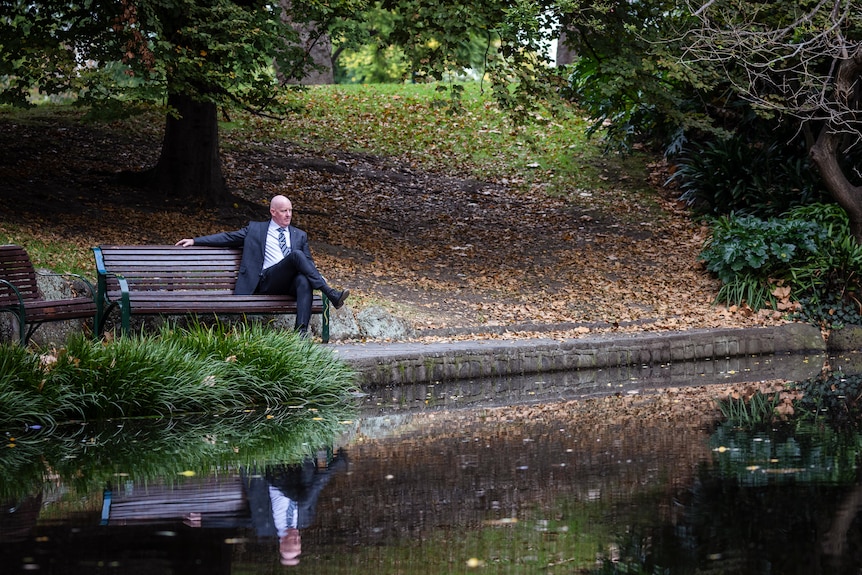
(276, 259)
(282, 499)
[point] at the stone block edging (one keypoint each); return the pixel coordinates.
(381, 364)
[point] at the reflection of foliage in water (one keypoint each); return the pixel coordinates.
(802, 453)
(760, 506)
(632, 556)
(835, 398)
(87, 457)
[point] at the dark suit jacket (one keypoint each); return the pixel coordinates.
(302, 483)
(252, 239)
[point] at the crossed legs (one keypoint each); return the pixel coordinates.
(297, 276)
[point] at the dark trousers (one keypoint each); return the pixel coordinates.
(295, 275)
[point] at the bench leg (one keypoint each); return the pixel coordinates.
(324, 327)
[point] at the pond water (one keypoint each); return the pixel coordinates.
(507, 476)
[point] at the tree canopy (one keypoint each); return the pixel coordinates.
(193, 55)
(648, 69)
(219, 51)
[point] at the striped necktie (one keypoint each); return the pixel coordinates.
(292, 514)
(282, 242)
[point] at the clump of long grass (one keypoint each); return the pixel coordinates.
(198, 369)
(25, 396)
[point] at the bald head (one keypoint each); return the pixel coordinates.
(281, 210)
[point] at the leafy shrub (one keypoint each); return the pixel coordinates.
(748, 255)
(829, 312)
(735, 176)
(811, 251)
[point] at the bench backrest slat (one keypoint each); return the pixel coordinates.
(17, 269)
(170, 268)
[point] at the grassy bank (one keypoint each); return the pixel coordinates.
(211, 370)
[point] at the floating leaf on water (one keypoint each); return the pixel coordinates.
(503, 521)
(235, 540)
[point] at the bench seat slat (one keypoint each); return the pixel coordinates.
(49, 310)
(146, 303)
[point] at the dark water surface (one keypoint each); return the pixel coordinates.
(499, 476)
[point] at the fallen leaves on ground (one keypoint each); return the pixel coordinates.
(440, 250)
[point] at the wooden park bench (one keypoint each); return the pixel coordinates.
(20, 294)
(170, 280)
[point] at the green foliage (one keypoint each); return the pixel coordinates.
(795, 452)
(371, 48)
(24, 396)
(627, 75)
(200, 370)
(830, 311)
(732, 175)
(749, 246)
(105, 53)
(810, 251)
(834, 399)
(747, 289)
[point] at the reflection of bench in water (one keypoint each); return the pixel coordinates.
(238, 500)
(213, 498)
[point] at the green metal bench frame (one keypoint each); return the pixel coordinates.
(170, 280)
(20, 295)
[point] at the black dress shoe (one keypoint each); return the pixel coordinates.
(337, 298)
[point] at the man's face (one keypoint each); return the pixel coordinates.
(281, 213)
(290, 547)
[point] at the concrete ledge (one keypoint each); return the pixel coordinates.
(381, 364)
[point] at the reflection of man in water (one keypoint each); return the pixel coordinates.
(285, 516)
(283, 499)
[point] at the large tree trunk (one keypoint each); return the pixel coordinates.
(825, 150)
(824, 153)
(315, 45)
(189, 165)
(566, 53)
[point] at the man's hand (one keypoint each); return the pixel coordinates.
(185, 243)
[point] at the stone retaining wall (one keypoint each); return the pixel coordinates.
(395, 364)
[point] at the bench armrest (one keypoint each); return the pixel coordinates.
(10, 307)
